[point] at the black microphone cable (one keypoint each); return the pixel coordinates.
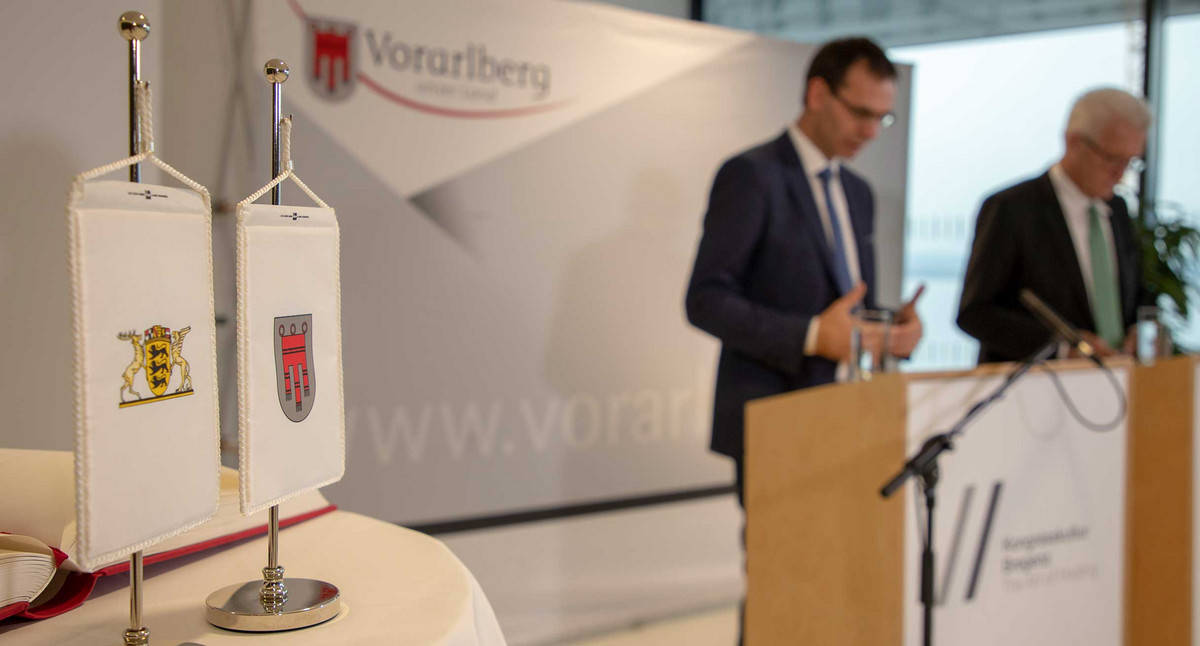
(1097, 427)
(1063, 330)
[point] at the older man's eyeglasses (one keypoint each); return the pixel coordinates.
(1112, 159)
(866, 114)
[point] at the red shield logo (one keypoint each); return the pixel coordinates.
(330, 48)
(295, 375)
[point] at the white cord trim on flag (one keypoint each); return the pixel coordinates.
(243, 349)
(145, 129)
(145, 112)
(285, 143)
(146, 136)
(285, 162)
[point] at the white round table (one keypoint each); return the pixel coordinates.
(397, 586)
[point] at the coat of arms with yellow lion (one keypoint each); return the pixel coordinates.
(156, 351)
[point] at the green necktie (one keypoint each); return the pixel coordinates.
(1106, 306)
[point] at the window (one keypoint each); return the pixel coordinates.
(988, 113)
(1179, 134)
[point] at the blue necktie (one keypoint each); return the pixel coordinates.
(841, 270)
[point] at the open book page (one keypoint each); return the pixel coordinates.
(26, 567)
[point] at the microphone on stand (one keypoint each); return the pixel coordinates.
(1056, 324)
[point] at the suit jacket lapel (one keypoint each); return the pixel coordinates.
(859, 216)
(1060, 238)
(797, 184)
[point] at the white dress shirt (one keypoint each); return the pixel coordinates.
(1075, 205)
(815, 161)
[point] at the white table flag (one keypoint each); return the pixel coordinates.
(147, 455)
(291, 412)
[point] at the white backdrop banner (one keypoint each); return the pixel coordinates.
(292, 424)
(147, 436)
(527, 181)
(1030, 514)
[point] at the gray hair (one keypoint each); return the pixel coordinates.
(1097, 109)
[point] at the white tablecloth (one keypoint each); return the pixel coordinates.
(398, 587)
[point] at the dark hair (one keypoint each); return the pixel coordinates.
(837, 56)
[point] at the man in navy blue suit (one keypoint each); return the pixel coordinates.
(787, 251)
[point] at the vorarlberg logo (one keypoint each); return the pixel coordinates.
(329, 48)
(471, 64)
(464, 81)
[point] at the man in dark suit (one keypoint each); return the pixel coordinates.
(787, 249)
(1064, 236)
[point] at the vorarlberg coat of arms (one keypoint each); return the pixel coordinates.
(329, 48)
(295, 377)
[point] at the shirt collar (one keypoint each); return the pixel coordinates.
(1071, 195)
(811, 157)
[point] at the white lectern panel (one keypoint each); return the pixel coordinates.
(1030, 514)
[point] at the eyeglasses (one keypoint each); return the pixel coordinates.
(1132, 163)
(866, 114)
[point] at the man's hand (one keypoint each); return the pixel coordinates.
(1129, 347)
(906, 328)
(1099, 346)
(835, 324)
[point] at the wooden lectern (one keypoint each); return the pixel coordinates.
(826, 554)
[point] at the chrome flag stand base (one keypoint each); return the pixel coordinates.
(275, 603)
(306, 602)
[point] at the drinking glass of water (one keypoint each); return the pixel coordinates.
(868, 343)
(1152, 339)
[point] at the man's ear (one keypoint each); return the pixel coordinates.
(1071, 141)
(817, 92)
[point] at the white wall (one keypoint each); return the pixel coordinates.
(64, 111)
